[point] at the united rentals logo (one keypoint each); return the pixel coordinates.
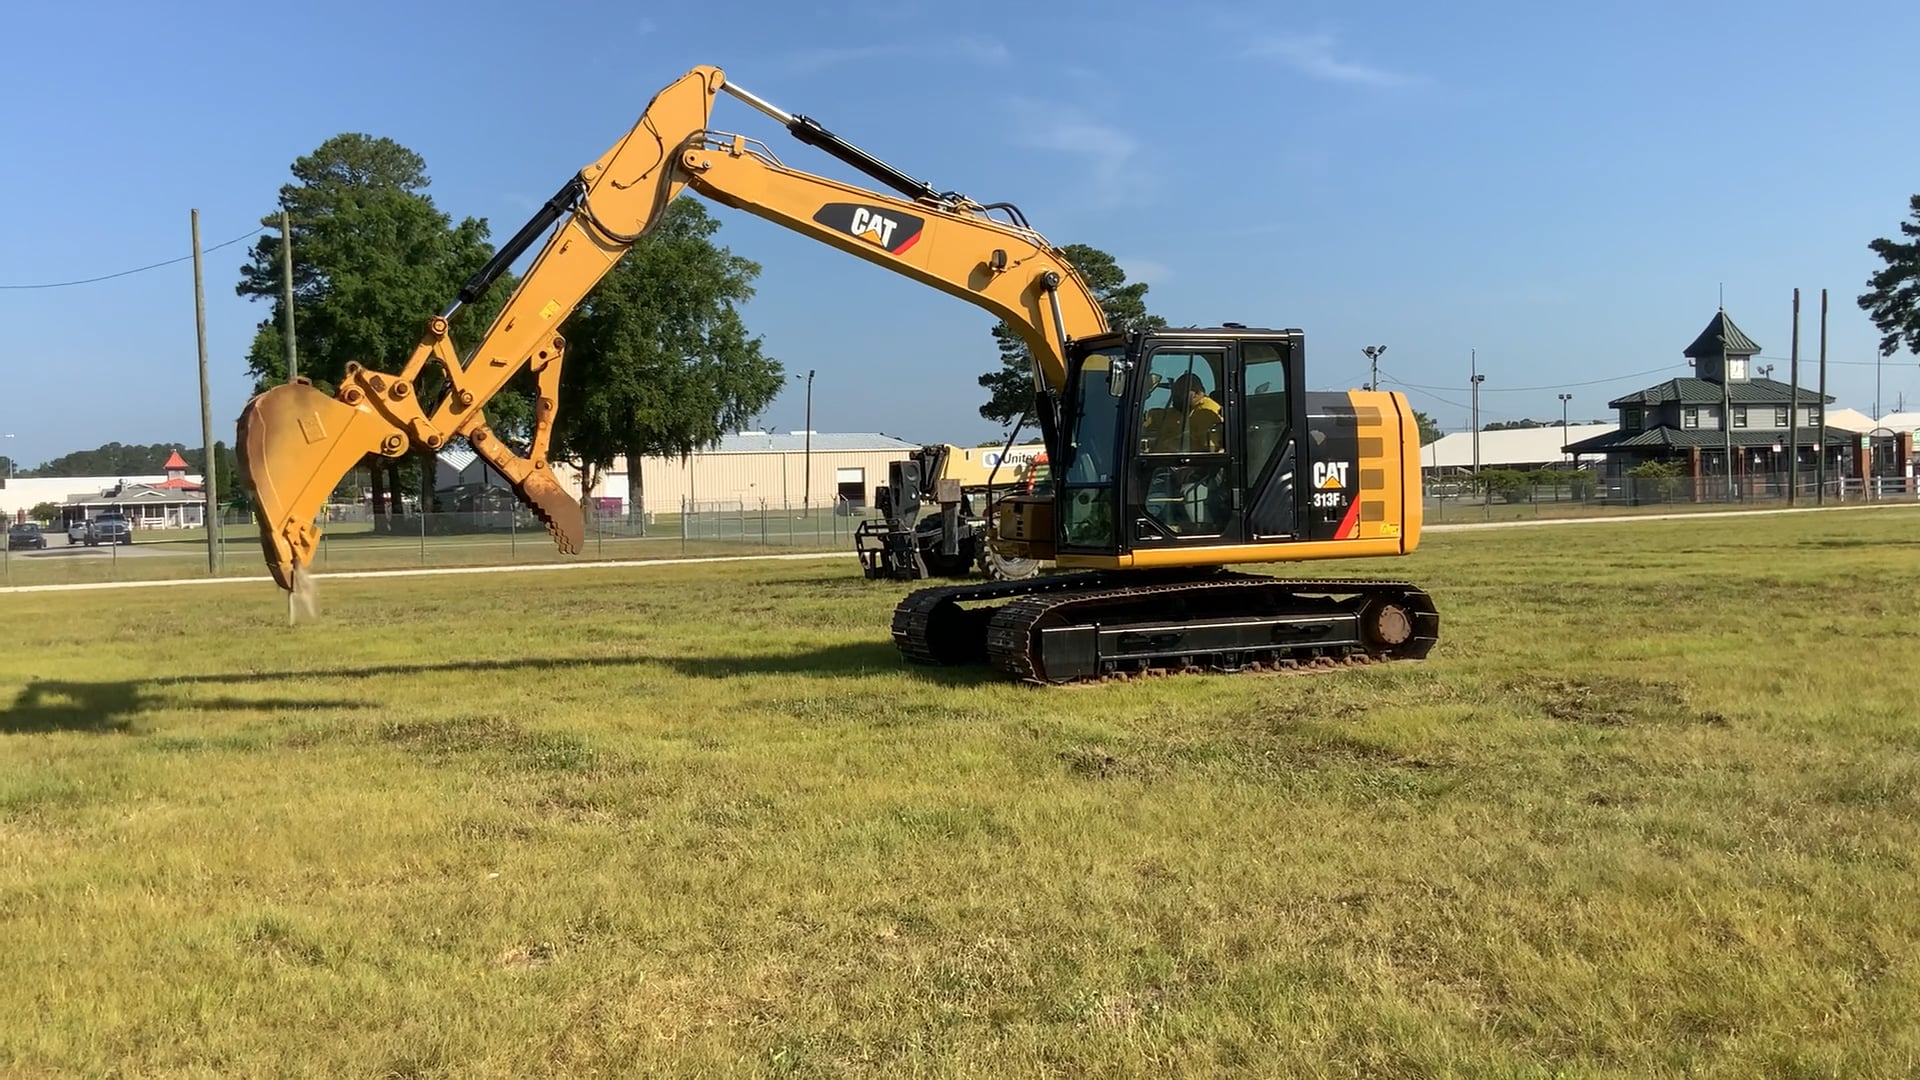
(888, 230)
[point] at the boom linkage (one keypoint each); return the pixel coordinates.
(297, 443)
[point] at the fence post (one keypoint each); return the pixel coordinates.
(423, 538)
(683, 524)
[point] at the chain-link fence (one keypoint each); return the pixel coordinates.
(354, 538)
(1497, 494)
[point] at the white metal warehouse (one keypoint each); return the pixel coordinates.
(755, 468)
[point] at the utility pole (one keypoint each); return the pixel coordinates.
(1372, 353)
(1820, 440)
(1726, 407)
(209, 467)
(1564, 398)
(807, 485)
(286, 305)
(1793, 408)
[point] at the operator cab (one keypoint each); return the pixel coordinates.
(1180, 439)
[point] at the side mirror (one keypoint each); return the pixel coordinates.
(1117, 378)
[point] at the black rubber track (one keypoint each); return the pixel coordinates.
(931, 626)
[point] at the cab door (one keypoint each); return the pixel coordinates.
(1184, 483)
(1272, 417)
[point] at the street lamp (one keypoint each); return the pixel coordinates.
(806, 486)
(1564, 398)
(1477, 380)
(1372, 353)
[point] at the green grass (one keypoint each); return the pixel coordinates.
(1650, 809)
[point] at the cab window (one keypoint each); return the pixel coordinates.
(1180, 412)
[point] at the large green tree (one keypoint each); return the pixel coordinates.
(373, 259)
(1429, 427)
(659, 361)
(1893, 298)
(134, 459)
(1010, 386)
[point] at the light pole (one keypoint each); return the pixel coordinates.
(1372, 353)
(806, 487)
(1477, 380)
(1564, 398)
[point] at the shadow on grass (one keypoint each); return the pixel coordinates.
(833, 661)
(1858, 542)
(110, 707)
(106, 708)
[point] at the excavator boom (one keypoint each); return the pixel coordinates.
(296, 442)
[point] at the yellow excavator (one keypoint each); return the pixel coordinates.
(1174, 454)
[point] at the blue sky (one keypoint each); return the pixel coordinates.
(1563, 189)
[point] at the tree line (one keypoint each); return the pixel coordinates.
(131, 459)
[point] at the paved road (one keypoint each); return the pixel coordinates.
(59, 548)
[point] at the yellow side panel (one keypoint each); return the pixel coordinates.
(1389, 442)
(1225, 554)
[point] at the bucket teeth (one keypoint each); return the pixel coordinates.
(556, 510)
(295, 444)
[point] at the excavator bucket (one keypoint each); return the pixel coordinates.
(295, 445)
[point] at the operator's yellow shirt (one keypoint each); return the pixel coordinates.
(1200, 430)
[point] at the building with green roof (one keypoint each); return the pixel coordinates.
(1681, 421)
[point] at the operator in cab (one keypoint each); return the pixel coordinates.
(1190, 422)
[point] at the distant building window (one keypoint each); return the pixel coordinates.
(1740, 416)
(1630, 419)
(1779, 418)
(1813, 416)
(1689, 418)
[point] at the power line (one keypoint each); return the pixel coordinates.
(1849, 363)
(1560, 386)
(137, 269)
(1423, 392)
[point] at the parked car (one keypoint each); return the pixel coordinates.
(77, 532)
(109, 528)
(25, 535)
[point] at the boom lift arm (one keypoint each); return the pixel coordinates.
(296, 443)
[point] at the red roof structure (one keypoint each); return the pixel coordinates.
(176, 467)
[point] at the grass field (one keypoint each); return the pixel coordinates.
(1650, 809)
